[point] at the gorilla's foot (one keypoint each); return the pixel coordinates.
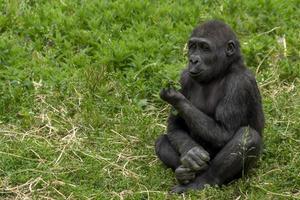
(178, 189)
(184, 175)
(198, 184)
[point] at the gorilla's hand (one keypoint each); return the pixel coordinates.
(171, 96)
(184, 174)
(195, 159)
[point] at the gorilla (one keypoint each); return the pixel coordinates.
(215, 133)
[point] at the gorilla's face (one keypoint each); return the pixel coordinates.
(202, 58)
(208, 58)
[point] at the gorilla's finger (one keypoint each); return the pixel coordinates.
(183, 172)
(203, 155)
(197, 158)
(185, 179)
(182, 169)
(185, 175)
(189, 162)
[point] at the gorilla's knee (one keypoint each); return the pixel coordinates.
(158, 144)
(249, 139)
(166, 153)
(250, 144)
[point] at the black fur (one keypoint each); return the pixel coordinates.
(217, 133)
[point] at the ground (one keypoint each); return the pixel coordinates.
(79, 105)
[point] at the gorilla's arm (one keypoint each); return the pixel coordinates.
(192, 156)
(202, 125)
(230, 114)
(178, 135)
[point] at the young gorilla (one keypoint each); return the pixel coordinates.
(217, 133)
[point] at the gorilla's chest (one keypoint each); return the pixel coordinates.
(207, 97)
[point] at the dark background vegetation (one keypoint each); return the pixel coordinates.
(79, 105)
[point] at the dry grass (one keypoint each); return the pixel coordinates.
(79, 96)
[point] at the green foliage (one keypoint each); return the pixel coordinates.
(79, 85)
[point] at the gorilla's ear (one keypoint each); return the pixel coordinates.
(230, 48)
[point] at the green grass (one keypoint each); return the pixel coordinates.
(79, 105)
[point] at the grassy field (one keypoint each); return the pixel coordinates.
(79, 105)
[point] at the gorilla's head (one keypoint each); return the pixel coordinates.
(212, 49)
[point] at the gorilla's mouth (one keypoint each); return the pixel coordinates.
(195, 74)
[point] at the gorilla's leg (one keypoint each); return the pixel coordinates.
(169, 156)
(231, 162)
(166, 153)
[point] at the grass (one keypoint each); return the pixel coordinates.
(79, 105)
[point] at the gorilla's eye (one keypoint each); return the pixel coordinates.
(205, 47)
(192, 45)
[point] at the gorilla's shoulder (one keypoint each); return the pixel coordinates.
(242, 80)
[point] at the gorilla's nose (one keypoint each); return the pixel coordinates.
(194, 60)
